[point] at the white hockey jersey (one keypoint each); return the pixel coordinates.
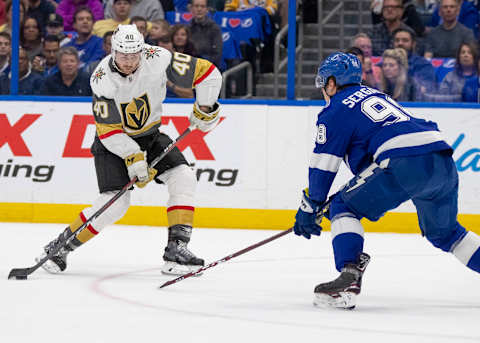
(129, 106)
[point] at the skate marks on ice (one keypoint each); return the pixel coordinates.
(410, 290)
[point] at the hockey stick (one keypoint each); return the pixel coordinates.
(22, 273)
(322, 210)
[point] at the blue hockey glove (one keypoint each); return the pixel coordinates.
(307, 221)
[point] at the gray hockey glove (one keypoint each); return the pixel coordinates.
(137, 166)
(205, 121)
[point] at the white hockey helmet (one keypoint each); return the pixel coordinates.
(127, 39)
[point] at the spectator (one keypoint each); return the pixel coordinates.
(419, 69)
(451, 87)
(410, 16)
(141, 24)
(471, 89)
(89, 46)
(121, 10)
(69, 80)
(381, 34)
(148, 9)
(7, 27)
(450, 31)
(55, 27)
(106, 48)
(370, 72)
(46, 63)
(468, 16)
(31, 37)
(5, 50)
(395, 80)
(160, 31)
(206, 34)
(181, 40)
(240, 5)
(67, 8)
(28, 82)
(40, 10)
(367, 78)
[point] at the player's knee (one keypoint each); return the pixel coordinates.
(338, 208)
(445, 239)
(181, 186)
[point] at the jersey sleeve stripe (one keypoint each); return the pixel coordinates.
(409, 140)
(110, 133)
(326, 162)
(201, 78)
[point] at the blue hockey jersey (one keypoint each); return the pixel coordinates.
(360, 126)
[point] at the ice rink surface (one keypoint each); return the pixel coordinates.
(411, 292)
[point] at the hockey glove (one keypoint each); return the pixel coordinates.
(137, 166)
(306, 221)
(205, 121)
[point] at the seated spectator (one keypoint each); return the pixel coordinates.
(471, 89)
(410, 15)
(121, 15)
(466, 68)
(419, 69)
(381, 34)
(28, 82)
(240, 5)
(5, 50)
(31, 37)
(7, 26)
(370, 72)
(468, 16)
(141, 24)
(54, 27)
(160, 31)
(395, 80)
(106, 48)
(206, 34)
(450, 31)
(40, 10)
(69, 80)
(67, 8)
(148, 9)
(367, 78)
(181, 40)
(89, 46)
(46, 63)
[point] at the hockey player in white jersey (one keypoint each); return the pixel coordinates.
(128, 88)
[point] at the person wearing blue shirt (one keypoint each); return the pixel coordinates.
(89, 46)
(29, 82)
(470, 91)
(395, 157)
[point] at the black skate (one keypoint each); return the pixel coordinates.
(58, 262)
(179, 260)
(342, 292)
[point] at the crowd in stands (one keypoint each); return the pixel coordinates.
(416, 50)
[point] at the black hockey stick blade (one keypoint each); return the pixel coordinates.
(22, 273)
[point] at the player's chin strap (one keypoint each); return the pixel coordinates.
(322, 210)
(22, 273)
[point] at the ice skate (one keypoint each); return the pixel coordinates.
(58, 262)
(179, 260)
(342, 292)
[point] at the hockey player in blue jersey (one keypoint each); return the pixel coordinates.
(394, 157)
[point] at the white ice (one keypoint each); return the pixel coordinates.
(411, 291)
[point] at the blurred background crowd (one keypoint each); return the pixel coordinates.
(414, 50)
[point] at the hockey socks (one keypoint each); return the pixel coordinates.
(467, 251)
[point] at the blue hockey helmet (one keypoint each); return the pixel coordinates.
(345, 68)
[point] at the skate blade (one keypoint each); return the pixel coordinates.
(48, 266)
(173, 268)
(344, 300)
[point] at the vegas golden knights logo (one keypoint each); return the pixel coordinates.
(136, 112)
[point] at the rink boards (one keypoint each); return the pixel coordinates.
(251, 168)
